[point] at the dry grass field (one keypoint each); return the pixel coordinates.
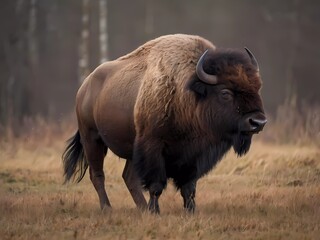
(271, 193)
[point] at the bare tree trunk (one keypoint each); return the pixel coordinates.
(84, 44)
(15, 59)
(291, 85)
(33, 55)
(32, 40)
(7, 39)
(103, 31)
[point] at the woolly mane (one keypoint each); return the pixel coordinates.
(171, 61)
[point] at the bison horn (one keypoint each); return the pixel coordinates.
(202, 75)
(253, 59)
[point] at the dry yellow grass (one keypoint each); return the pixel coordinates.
(271, 193)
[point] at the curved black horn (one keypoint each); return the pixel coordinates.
(202, 75)
(253, 59)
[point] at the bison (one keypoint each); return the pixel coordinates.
(172, 108)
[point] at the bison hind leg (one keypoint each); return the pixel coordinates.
(95, 151)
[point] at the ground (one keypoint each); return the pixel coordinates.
(271, 193)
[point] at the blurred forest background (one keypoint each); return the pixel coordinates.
(47, 47)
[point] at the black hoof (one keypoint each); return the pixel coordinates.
(190, 206)
(153, 205)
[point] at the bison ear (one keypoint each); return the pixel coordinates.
(199, 87)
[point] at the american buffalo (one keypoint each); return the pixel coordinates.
(172, 108)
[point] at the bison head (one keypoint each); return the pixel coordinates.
(227, 87)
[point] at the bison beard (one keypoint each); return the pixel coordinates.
(241, 143)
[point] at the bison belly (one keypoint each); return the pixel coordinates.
(117, 131)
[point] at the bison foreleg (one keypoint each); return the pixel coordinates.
(134, 186)
(155, 192)
(188, 192)
(150, 166)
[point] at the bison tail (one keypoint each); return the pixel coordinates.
(74, 161)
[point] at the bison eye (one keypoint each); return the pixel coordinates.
(226, 94)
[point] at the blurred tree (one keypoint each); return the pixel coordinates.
(84, 43)
(103, 31)
(39, 55)
(14, 62)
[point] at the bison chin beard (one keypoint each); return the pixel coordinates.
(241, 143)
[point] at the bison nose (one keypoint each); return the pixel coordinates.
(257, 124)
(253, 123)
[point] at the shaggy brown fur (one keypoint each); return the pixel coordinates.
(171, 62)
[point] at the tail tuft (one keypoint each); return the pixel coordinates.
(74, 161)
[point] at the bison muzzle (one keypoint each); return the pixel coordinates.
(172, 108)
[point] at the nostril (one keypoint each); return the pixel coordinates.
(253, 123)
(257, 122)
